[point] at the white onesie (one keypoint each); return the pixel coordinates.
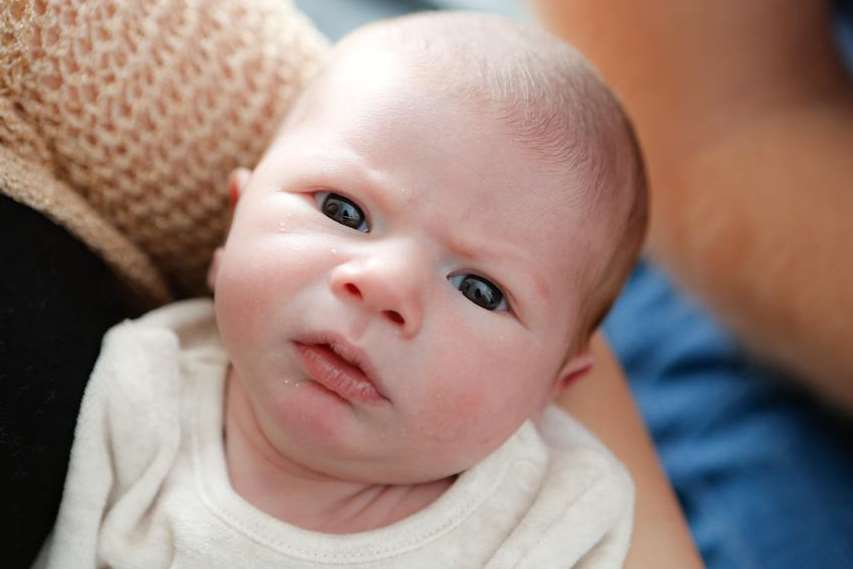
(148, 487)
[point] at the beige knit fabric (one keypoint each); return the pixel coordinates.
(121, 119)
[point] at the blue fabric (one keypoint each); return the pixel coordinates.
(765, 475)
(843, 28)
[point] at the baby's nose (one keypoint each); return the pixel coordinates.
(388, 284)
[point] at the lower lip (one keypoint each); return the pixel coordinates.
(337, 375)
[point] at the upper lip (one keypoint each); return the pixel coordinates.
(348, 352)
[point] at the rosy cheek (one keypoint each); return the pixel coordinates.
(457, 401)
(489, 390)
(452, 412)
(251, 283)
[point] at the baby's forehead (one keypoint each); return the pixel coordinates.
(556, 135)
(399, 96)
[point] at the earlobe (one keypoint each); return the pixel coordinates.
(578, 366)
(237, 182)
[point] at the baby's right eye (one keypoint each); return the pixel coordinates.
(343, 210)
(480, 291)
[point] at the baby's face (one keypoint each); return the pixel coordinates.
(395, 293)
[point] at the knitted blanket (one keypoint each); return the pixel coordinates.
(120, 120)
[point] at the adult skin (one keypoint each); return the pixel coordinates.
(745, 115)
(603, 403)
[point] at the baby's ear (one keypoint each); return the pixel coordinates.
(213, 269)
(574, 369)
(237, 182)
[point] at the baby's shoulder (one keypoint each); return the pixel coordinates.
(165, 332)
(581, 511)
(584, 506)
(144, 362)
(184, 318)
(577, 454)
(576, 450)
(149, 370)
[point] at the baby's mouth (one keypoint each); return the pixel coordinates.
(337, 366)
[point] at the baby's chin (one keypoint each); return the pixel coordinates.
(324, 438)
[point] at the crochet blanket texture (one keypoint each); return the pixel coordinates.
(120, 120)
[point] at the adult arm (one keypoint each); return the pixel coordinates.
(745, 116)
(603, 403)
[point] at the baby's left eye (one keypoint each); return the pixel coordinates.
(480, 291)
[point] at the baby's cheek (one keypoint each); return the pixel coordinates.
(237, 313)
(471, 410)
(475, 387)
(451, 414)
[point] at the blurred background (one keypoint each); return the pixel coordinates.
(760, 468)
(337, 17)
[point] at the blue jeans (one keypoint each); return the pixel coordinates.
(765, 474)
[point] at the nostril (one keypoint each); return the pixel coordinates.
(353, 290)
(394, 316)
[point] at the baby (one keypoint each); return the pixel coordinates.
(413, 271)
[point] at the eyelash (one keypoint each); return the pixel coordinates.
(471, 292)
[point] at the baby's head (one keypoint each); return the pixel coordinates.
(417, 264)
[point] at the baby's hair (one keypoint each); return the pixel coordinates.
(552, 101)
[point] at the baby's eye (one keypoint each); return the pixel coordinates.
(342, 210)
(479, 291)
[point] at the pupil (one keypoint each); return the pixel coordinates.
(343, 211)
(481, 292)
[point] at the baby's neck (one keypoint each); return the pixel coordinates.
(303, 497)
